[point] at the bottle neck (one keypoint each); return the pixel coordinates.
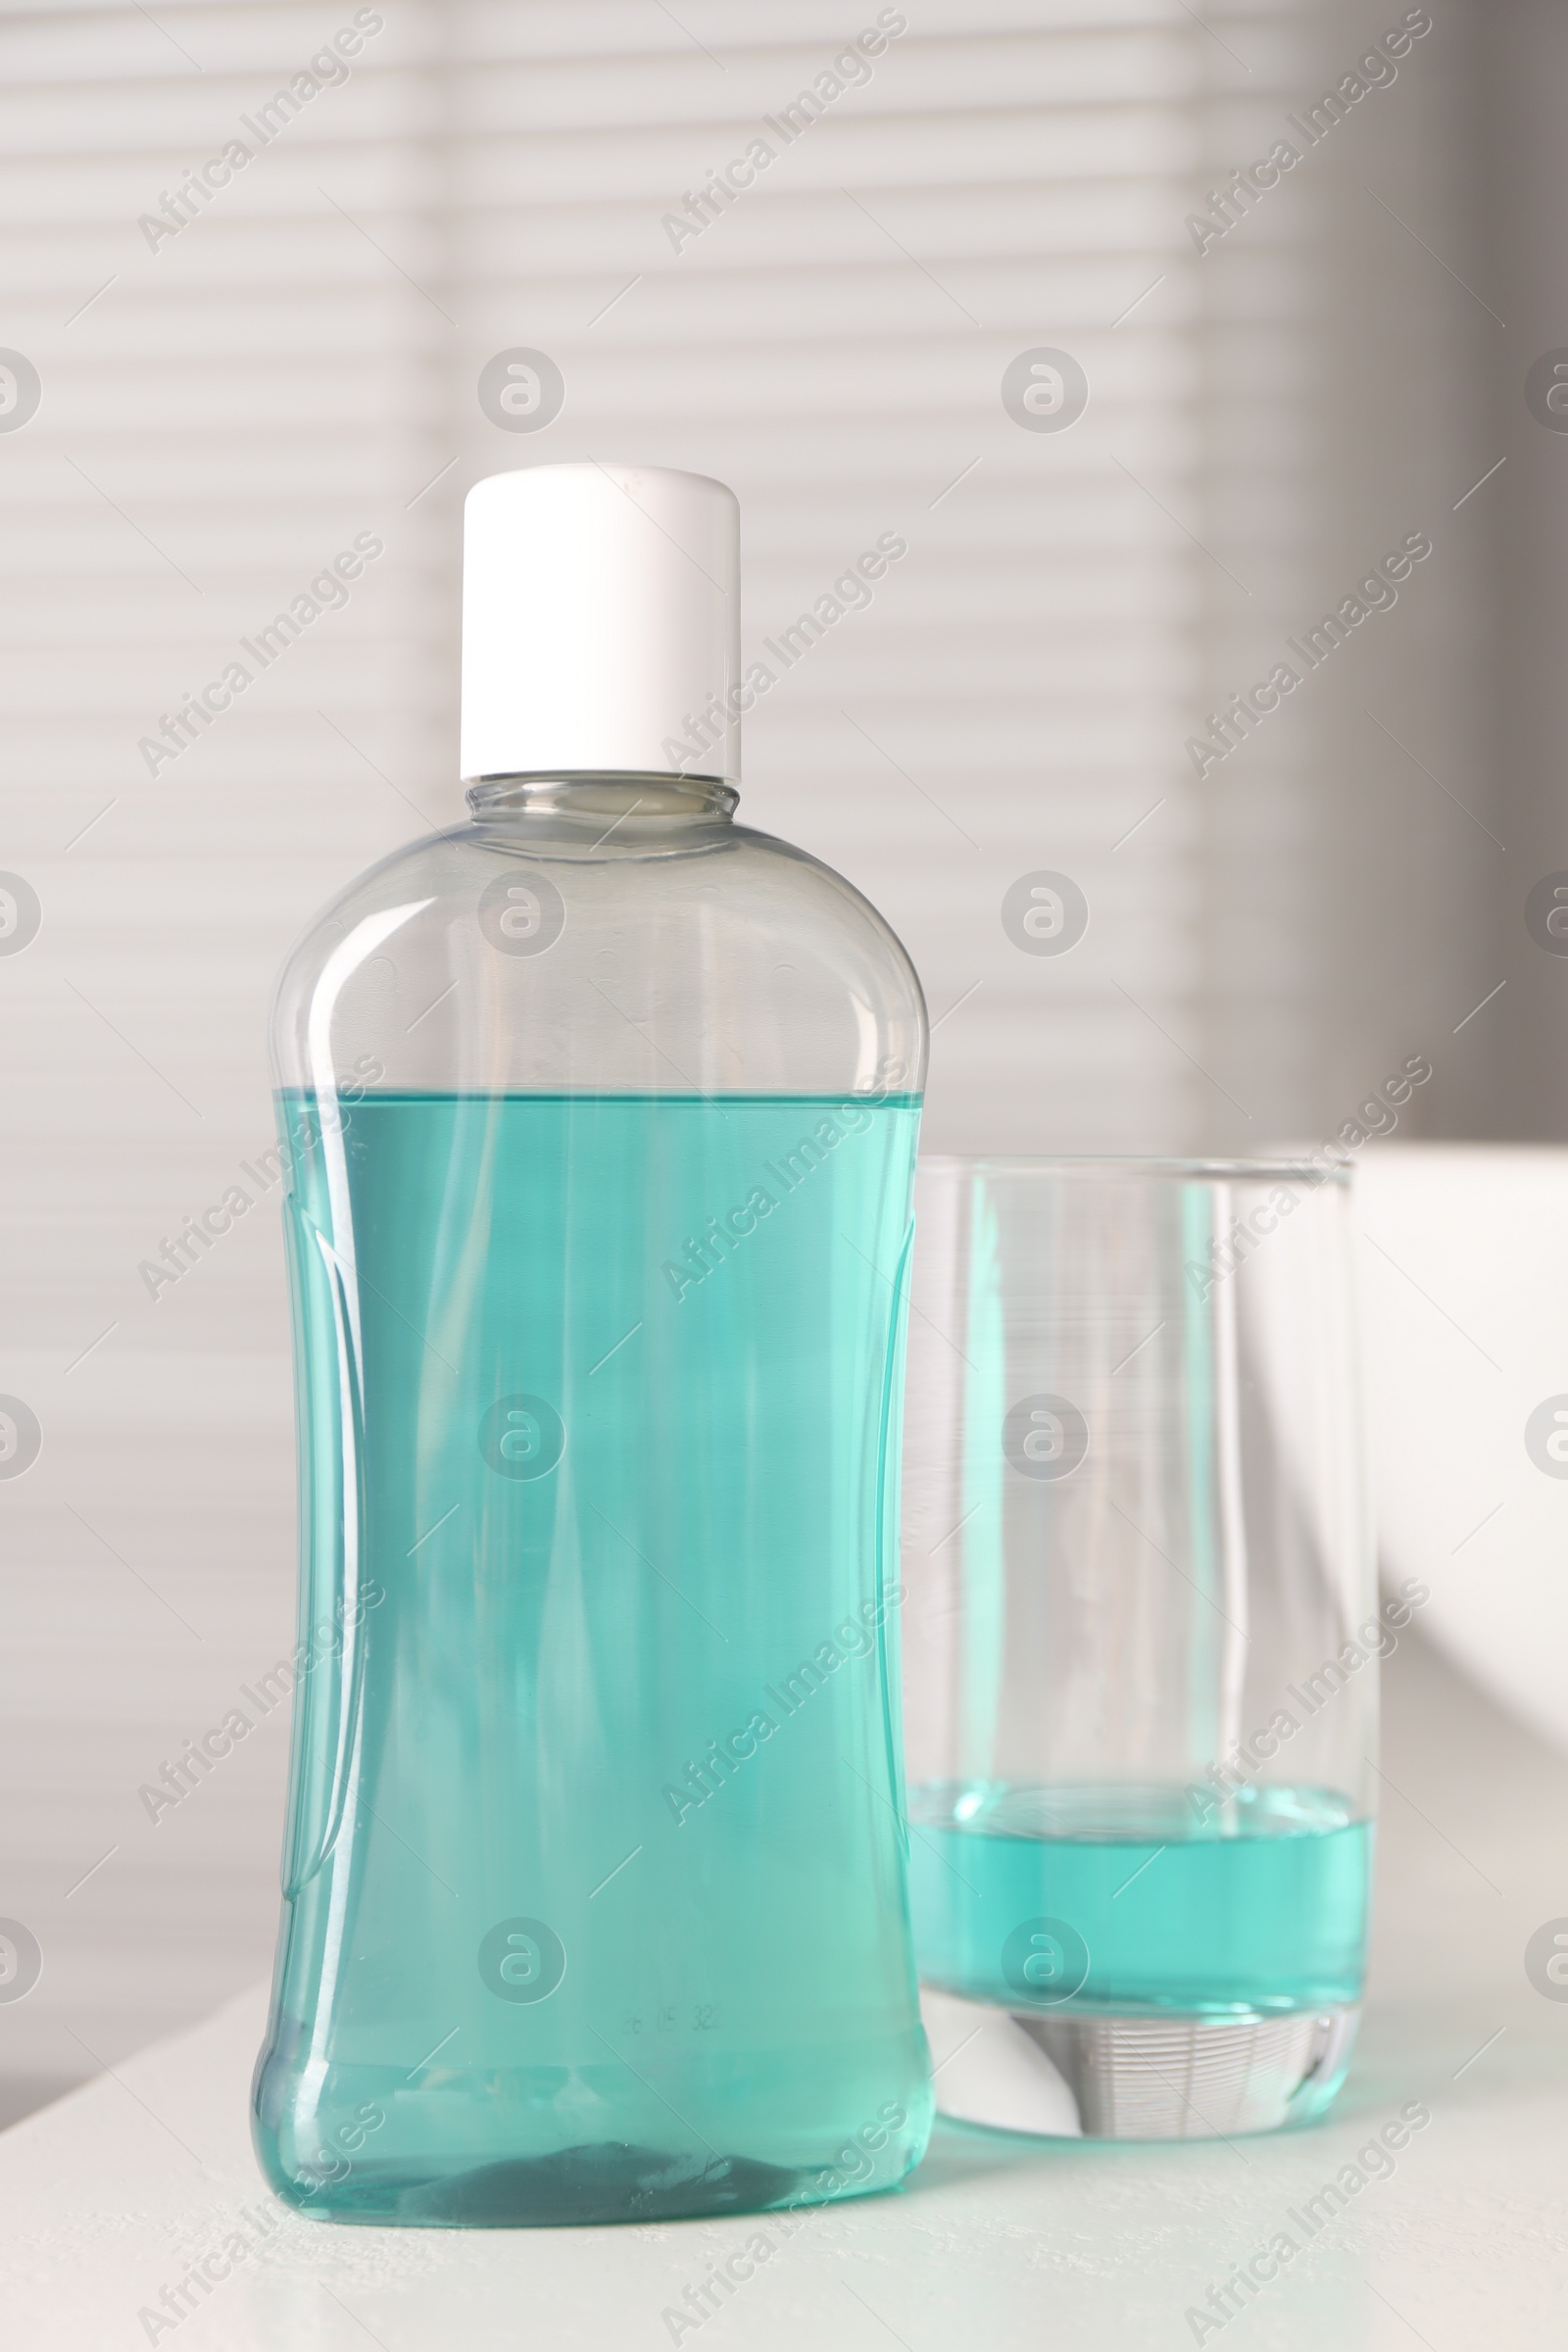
(607, 799)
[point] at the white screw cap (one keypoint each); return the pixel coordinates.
(600, 623)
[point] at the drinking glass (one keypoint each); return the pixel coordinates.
(1142, 1637)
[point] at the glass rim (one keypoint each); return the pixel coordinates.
(1139, 1167)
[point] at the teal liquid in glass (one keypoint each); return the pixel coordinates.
(1081, 1900)
(595, 1895)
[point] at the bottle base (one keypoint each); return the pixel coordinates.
(611, 2181)
(1167, 2075)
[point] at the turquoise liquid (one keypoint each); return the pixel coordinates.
(595, 1892)
(1123, 1900)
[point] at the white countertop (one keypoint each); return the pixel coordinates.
(109, 2197)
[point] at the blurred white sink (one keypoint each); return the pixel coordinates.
(1464, 1273)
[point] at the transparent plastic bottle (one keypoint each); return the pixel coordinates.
(600, 1120)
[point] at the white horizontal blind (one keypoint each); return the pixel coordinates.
(292, 373)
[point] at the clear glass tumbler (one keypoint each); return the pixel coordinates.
(1142, 1636)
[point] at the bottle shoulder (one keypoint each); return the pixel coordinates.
(727, 863)
(559, 952)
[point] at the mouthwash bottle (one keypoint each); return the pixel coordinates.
(599, 1118)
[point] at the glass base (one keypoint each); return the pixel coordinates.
(1080, 2074)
